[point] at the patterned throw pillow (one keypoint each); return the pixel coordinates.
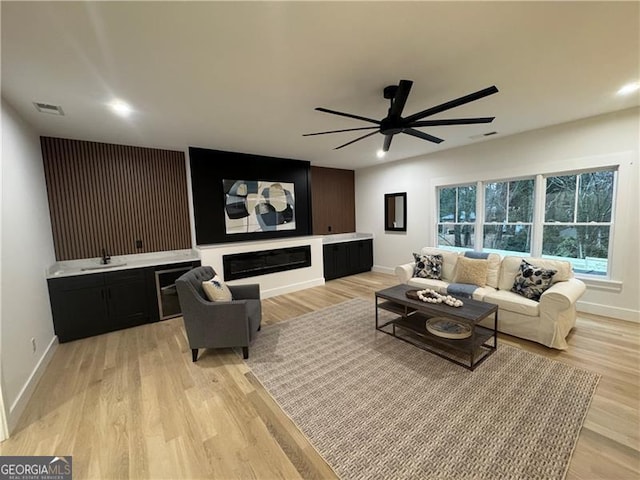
(428, 266)
(532, 281)
(216, 290)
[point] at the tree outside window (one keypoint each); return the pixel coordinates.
(577, 223)
(508, 217)
(456, 217)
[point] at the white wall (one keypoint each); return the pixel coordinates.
(26, 251)
(610, 139)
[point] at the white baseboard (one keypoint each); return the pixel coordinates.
(381, 269)
(16, 410)
(609, 311)
(294, 287)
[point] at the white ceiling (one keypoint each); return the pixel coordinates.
(246, 76)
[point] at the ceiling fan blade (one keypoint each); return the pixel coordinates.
(356, 140)
(348, 115)
(422, 135)
(452, 104)
(400, 98)
(387, 143)
(338, 131)
(451, 121)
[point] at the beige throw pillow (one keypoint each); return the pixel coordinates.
(216, 290)
(472, 271)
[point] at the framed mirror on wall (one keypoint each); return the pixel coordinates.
(395, 212)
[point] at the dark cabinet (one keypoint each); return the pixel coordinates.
(347, 258)
(127, 301)
(87, 305)
(78, 306)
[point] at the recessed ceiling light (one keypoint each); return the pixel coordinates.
(629, 88)
(380, 153)
(121, 108)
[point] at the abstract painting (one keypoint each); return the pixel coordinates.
(258, 206)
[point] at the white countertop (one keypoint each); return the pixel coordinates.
(87, 266)
(346, 237)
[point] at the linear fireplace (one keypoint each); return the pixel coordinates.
(251, 264)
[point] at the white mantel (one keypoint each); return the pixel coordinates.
(271, 284)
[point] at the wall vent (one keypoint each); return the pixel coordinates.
(48, 108)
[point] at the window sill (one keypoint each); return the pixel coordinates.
(602, 284)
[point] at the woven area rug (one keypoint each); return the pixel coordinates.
(376, 407)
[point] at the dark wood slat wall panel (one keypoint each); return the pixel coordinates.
(333, 200)
(104, 195)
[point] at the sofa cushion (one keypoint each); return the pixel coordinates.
(481, 292)
(532, 281)
(437, 285)
(216, 290)
(449, 260)
(493, 265)
(511, 266)
(513, 302)
(493, 269)
(472, 271)
(428, 266)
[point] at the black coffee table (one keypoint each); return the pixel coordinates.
(409, 325)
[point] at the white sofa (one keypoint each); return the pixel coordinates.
(547, 322)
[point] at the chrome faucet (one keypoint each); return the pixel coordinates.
(106, 257)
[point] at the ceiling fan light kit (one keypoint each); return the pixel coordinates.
(394, 123)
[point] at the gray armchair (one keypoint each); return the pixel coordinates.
(218, 324)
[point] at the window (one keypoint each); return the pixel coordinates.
(456, 217)
(571, 218)
(577, 220)
(508, 217)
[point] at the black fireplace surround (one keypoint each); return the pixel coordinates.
(251, 264)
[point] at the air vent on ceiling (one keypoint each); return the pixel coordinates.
(48, 108)
(482, 135)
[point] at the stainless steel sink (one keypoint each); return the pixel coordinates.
(100, 267)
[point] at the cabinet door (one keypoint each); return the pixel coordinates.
(353, 257)
(335, 261)
(127, 300)
(360, 256)
(78, 306)
(329, 262)
(341, 259)
(366, 255)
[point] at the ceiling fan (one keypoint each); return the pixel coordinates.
(394, 123)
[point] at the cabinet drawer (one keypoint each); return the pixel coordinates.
(76, 282)
(133, 274)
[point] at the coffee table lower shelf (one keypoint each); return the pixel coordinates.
(412, 329)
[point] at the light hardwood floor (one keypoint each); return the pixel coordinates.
(131, 404)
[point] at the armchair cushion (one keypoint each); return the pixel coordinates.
(216, 290)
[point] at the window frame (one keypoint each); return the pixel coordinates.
(440, 223)
(539, 221)
(507, 222)
(610, 224)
